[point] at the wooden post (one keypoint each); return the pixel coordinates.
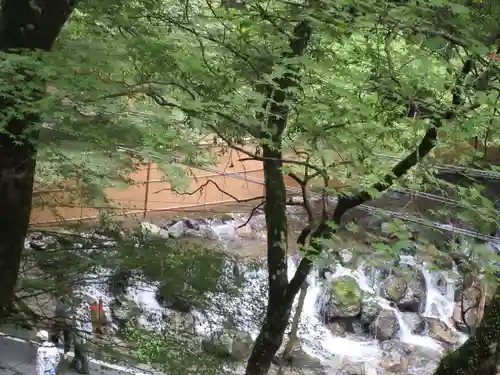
(148, 176)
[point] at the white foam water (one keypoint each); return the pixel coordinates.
(316, 339)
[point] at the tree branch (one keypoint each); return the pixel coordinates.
(254, 210)
(305, 194)
(283, 160)
(203, 186)
(345, 203)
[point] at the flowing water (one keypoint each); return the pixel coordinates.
(316, 339)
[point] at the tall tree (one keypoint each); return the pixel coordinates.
(26, 28)
(311, 79)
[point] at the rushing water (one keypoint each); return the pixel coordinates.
(316, 339)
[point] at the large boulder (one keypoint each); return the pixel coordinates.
(149, 229)
(232, 344)
(338, 328)
(343, 365)
(345, 297)
(37, 241)
(177, 229)
(175, 296)
(394, 288)
(415, 293)
(439, 331)
(466, 313)
(385, 325)
(123, 311)
(341, 326)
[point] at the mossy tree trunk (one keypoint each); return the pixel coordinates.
(25, 25)
(279, 302)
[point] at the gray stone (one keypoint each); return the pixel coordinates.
(369, 308)
(385, 325)
(232, 344)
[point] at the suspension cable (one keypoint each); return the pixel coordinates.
(367, 208)
(492, 175)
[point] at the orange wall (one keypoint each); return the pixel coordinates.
(51, 207)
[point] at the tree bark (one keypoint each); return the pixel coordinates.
(479, 353)
(279, 303)
(292, 340)
(25, 25)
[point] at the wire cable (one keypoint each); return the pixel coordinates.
(367, 208)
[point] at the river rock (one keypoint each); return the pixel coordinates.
(190, 224)
(438, 330)
(183, 323)
(415, 293)
(465, 314)
(149, 229)
(40, 242)
(369, 308)
(232, 344)
(385, 325)
(345, 297)
(346, 257)
(395, 358)
(394, 362)
(123, 310)
(414, 321)
(394, 288)
(421, 357)
(177, 230)
(301, 360)
(338, 328)
(343, 365)
(174, 297)
(341, 326)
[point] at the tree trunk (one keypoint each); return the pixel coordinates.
(479, 354)
(279, 302)
(292, 341)
(25, 25)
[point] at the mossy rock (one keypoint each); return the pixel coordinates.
(394, 288)
(346, 297)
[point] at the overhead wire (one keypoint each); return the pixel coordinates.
(367, 208)
(472, 172)
(370, 209)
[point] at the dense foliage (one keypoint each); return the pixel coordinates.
(317, 90)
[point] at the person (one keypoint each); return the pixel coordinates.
(47, 355)
(99, 320)
(61, 322)
(82, 328)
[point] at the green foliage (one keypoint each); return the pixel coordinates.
(171, 353)
(158, 76)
